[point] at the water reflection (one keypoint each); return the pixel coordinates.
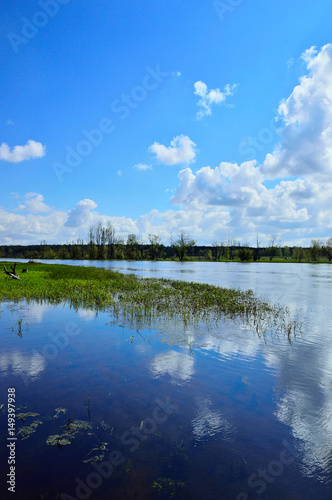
(26, 366)
(239, 396)
(209, 422)
(305, 404)
(86, 314)
(179, 366)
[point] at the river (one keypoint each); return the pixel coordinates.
(224, 415)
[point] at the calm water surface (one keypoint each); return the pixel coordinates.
(206, 414)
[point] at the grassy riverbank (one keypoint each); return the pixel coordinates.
(142, 299)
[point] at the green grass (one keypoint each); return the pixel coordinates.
(144, 300)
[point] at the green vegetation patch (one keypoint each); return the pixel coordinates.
(144, 300)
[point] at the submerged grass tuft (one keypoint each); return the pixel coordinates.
(143, 300)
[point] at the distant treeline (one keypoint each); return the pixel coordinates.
(102, 243)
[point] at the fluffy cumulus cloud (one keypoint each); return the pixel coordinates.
(81, 213)
(31, 228)
(57, 226)
(40, 222)
(181, 150)
(305, 148)
(34, 203)
(211, 97)
(240, 190)
(32, 149)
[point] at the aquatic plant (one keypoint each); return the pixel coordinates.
(26, 431)
(56, 440)
(145, 301)
(59, 411)
(23, 416)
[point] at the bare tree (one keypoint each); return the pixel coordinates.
(327, 249)
(182, 244)
(111, 241)
(256, 254)
(273, 246)
(218, 250)
(92, 251)
(154, 245)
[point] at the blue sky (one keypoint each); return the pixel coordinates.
(160, 116)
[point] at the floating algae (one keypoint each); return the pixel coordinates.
(73, 427)
(23, 416)
(67, 431)
(59, 411)
(57, 440)
(26, 431)
(76, 425)
(167, 486)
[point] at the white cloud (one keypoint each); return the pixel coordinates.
(81, 214)
(32, 149)
(59, 226)
(239, 192)
(288, 209)
(210, 97)
(181, 150)
(34, 204)
(305, 148)
(32, 228)
(142, 166)
(119, 173)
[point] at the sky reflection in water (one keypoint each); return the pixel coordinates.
(239, 399)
